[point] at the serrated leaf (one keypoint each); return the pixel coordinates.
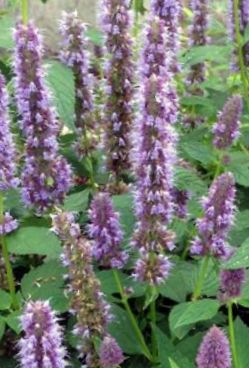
(242, 338)
(34, 240)
(173, 364)
(188, 313)
(77, 202)
(46, 283)
(60, 80)
(240, 259)
(13, 321)
(215, 53)
(5, 300)
(189, 180)
(6, 26)
(239, 166)
(199, 151)
(121, 329)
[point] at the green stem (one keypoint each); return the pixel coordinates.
(153, 323)
(232, 335)
(132, 318)
(201, 279)
(24, 8)
(243, 72)
(9, 272)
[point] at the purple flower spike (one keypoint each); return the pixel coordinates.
(7, 149)
(118, 71)
(111, 356)
(181, 198)
(226, 130)
(87, 301)
(152, 268)
(198, 37)
(106, 232)
(169, 11)
(154, 157)
(41, 345)
(7, 224)
(214, 350)
(46, 176)
(231, 282)
(218, 218)
(74, 54)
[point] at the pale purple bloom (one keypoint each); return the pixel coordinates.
(41, 345)
(198, 37)
(87, 301)
(7, 224)
(46, 175)
(169, 11)
(111, 355)
(118, 111)
(218, 218)
(74, 54)
(231, 282)
(7, 149)
(226, 130)
(154, 158)
(214, 350)
(106, 232)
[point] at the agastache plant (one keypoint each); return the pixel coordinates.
(118, 109)
(154, 159)
(87, 300)
(169, 11)
(226, 130)
(46, 176)
(8, 169)
(214, 350)
(243, 13)
(106, 232)
(218, 218)
(41, 345)
(75, 55)
(231, 283)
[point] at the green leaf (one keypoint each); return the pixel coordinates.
(46, 283)
(5, 300)
(60, 80)
(215, 53)
(242, 338)
(189, 180)
(34, 240)
(95, 36)
(199, 151)
(239, 166)
(6, 26)
(166, 349)
(13, 321)
(2, 327)
(77, 202)
(188, 313)
(240, 259)
(121, 329)
(124, 205)
(173, 364)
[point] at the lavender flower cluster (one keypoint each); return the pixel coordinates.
(87, 301)
(106, 232)
(169, 11)
(46, 175)
(154, 159)
(8, 168)
(74, 54)
(198, 37)
(218, 217)
(119, 74)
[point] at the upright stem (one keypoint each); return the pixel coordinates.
(5, 253)
(232, 335)
(132, 318)
(24, 8)
(240, 51)
(153, 323)
(201, 279)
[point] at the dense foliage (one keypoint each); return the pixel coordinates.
(124, 184)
